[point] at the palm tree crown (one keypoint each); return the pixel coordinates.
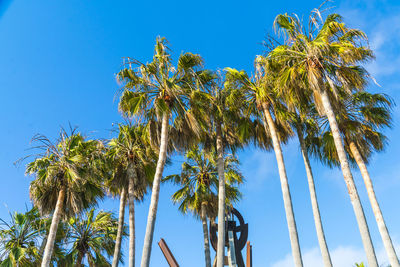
(92, 237)
(199, 182)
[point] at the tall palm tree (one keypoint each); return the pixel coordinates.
(159, 91)
(305, 124)
(361, 116)
(221, 109)
(264, 103)
(19, 241)
(327, 54)
(91, 236)
(132, 161)
(198, 191)
(308, 126)
(66, 180)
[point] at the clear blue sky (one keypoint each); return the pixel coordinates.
(57, 65)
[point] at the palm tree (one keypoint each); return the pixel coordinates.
(305, 124)
(67, 180)
(93, 237)
(159, 91)
(264, 103)
(19, 241)
(361, 116)
(221, 109)
(308, 126)
(326, 55)
(132, 163)
(199, 188)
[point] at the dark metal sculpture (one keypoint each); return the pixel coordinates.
(231, 225)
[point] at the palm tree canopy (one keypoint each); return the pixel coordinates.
(131, 149)
(156, 88)
(71, 163)
(361, 117)
(19, 240)
(327, 52)
(92, 235)
(258, 90)
(198, 182)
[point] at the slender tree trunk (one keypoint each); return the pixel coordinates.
(314, 202)
(221, 198)
(131, 200)
(351, 187)
(151, 219)
(48, 251)
(287, 200)
(43, 245)
(205, 235)
(387, 242)
(79, 259)
(118, 240)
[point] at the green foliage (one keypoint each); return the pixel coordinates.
(91, 238)
(130, 151)
(26, 234)
(19, 240)
(72, 163)
(361, 117)
(327, 56)
(261, 97)
(152, 89)
(22, 240)
(198, 182)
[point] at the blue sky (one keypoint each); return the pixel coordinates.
(57, 65)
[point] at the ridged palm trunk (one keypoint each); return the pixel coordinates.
(287, 200)
(151, 219)
(326, 258)
(387, 242)
(131, 200)
(118, 240)
(351, 187)
(221, 197)
(48, 251)
(207, 256)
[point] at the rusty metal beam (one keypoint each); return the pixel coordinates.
(249, 255)
(167, 253)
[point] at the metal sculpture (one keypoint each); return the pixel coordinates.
(167, 253)
(234, 243)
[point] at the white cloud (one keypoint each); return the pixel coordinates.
(345, 256)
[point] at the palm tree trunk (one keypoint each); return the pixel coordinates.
(387, 242)
(287, 200)
(221, 197)
(131, 200)
(314, 202)
(118, 240)
(43, 245)
(79, 259)
(48, 251)
(351, 187)
(205, 235)
(151, 219)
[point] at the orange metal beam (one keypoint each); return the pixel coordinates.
(249, 255)
(167, 253)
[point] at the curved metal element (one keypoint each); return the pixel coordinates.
(230, 225)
